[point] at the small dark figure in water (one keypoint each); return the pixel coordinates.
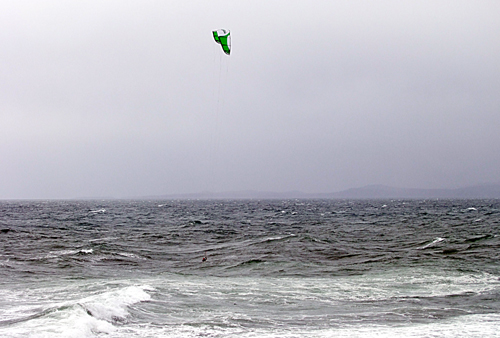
(204, 258)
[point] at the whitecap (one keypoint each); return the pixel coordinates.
(112, 306)
(435, 241)
(129, 255)
(56, 254)
(63, 321)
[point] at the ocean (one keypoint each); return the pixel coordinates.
(273, 268)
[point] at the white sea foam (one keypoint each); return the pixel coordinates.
(68, 252)
(396, 284)
(472, 326)
(435, 241)
(100, 211)
(72, 321)
(112, 306)
(129, 255)
(212, 306)
(56, 254)
(275, 238)
(273, 302)
(87, 317)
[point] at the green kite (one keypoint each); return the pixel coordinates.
(223, 37)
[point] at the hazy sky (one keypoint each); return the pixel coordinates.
(134, 98)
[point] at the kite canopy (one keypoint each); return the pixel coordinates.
(223, 37)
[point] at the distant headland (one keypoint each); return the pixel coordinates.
(483, 191)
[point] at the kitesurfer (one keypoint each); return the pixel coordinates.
(204, 258)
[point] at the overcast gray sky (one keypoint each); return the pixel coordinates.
(134, 98)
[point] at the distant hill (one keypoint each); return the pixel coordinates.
(367, 192)
(244, 194)
(381, 191)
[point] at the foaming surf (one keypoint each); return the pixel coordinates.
(91, 316)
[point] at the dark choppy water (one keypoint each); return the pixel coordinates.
(295, 268)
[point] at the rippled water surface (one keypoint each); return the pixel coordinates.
(293, 268)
